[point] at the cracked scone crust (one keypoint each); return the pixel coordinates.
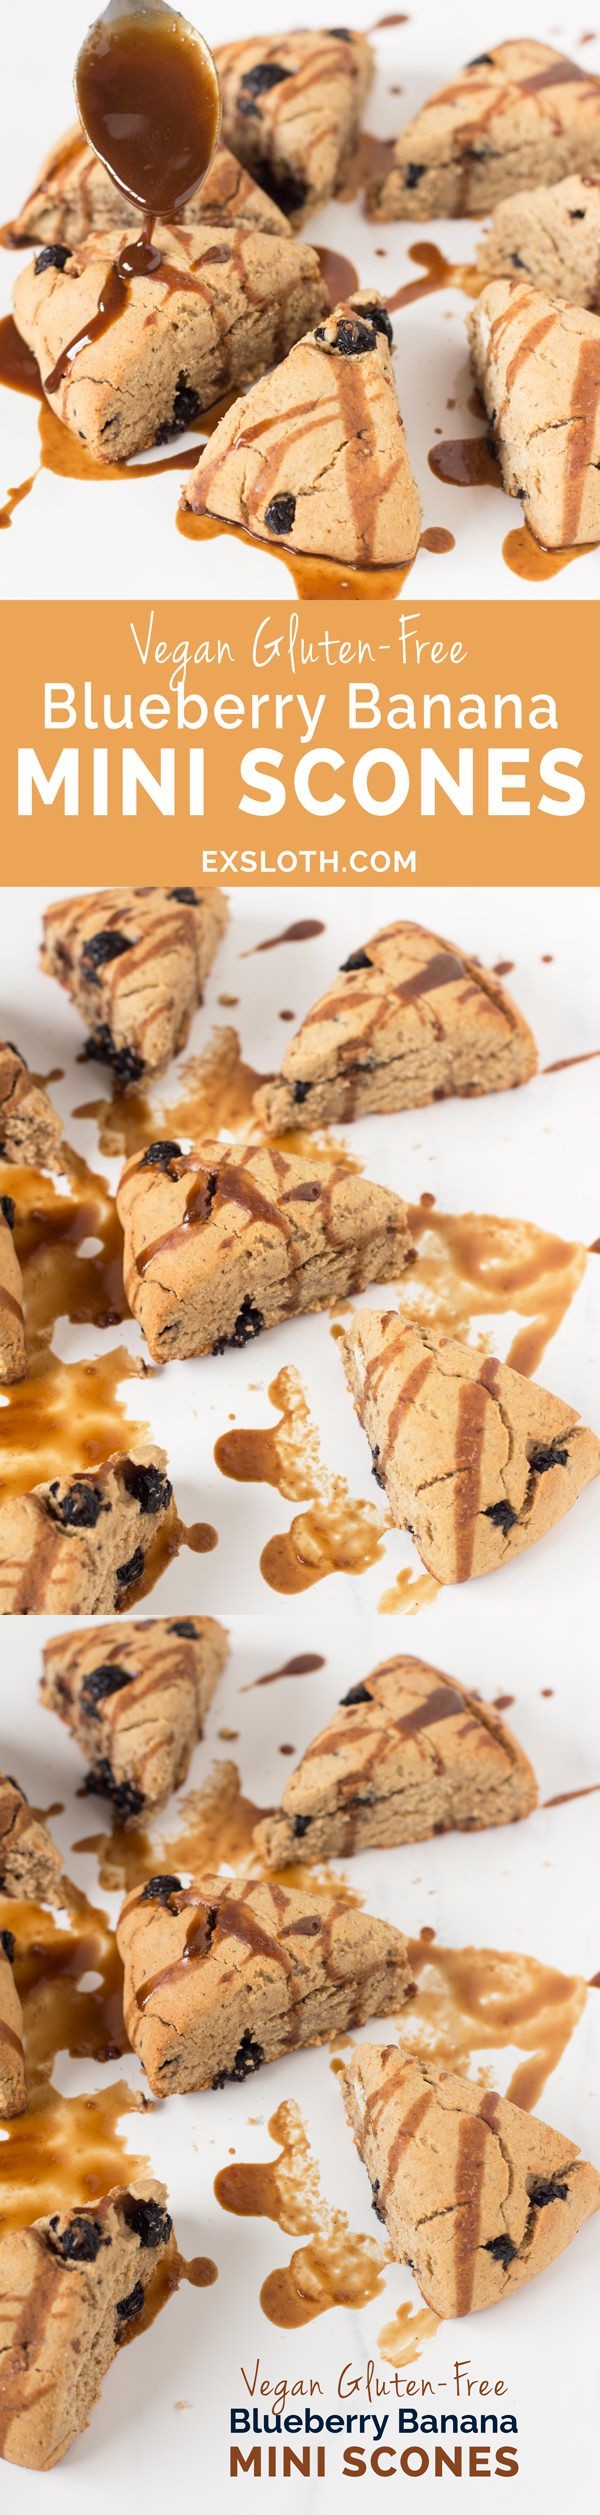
(74, 196)
(408, 1753)
(225, 1974)
(408, 1019)
(135, 1698)
(536, 363)
(79, 1545)
(477, 1462)
(476, 2195)
(223, 304)
(549, 237)
(134, 963)
(519, 114)
(71, 2289)
(340, 484)
(291, 110)
(13, 1353)
(30, 1865)
(30, 1131)
(13, 2090)
(224, 1241)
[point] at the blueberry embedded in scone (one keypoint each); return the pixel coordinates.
(291, 110)
(135, 1696)
(79, 1544)
(71, 2286)
(134, 963)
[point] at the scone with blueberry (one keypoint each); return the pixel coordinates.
(134, 963)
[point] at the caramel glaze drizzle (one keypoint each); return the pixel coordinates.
(237, 1187)
(540, 85)
(233, 1917)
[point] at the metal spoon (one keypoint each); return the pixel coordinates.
(148, 97)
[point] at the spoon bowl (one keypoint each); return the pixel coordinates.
(148, 98)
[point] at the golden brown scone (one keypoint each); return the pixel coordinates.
(342, 486)
(409, 1753)
(226, 1240)
(30, 1864)
(223, 304)
(292, 107)
(73, 196)
(71, 2288)
(550, 238)
(227, 1973)
(536, 363)
(477, 1462)
(408, 1019)
(13, 1351)
(134, 963)
(13, 2090)
(519, 114)
(30, 1131)
(476, 2195)
(78, 1546)
(135, 1698)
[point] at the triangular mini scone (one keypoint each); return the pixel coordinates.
(291, 109)
(517, 115)
(476, 1461)
(135, 1696)
(536, 363)
(315, 457)
(30, 1131)
(30, 1864)
(72, 2288)
(549, 239)
(408, 1019)
(227, 1973)
(74, 196)
(477, 2196)
(226, 1240)
(407, 1754)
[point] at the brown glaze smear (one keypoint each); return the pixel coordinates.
(437, 273)
(404, 2339)
(562, 1064)
(213, 1827)
(370, 156)
(336, 1533)
(66, 2150)
(214, 1094)
(315, 580)
(436, 538)
(563, 1796)
(171, 2270)
(473, 2000)
(465, 463)
(303, 1665)
(483, 1265)
(334, 2267)
(408, 1594)
(303, 931)
(528, 559)
(339, 275)
(65, 1416)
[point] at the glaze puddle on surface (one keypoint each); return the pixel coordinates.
(315, 579)
(213, 1830)
(336, 1533)
(65, 1415)
(528, 559)
(408, 1594)
(66, 2149)
(476, 1999)
(404, 2339)
(304, 1665)
(483, 1265)
(334, 2267)
(215, 1092)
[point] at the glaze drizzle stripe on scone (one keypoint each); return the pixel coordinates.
(536, 363)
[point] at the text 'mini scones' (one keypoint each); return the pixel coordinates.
(30, 1131)
(226, 1240)
(476, 1461)
(341, 486)
(134, 963)
(408, 1753)
(476, 2195)
(519, 114)
(225, 1973)
(13, 1351)
(135, 1697)
(74, 196)
(291, 110)
(30, 1865)
(71, 2289)
(78, 1545)
(536, 363)
(408, 1019)
(549, 237)
(13, 2090)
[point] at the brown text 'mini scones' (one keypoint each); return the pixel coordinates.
(134, 963)
(476, 1461)
(30, 1864)
(519, 114)
(226, 1240)
(13, 2089)
(30, 1131)
(135, 1698)
(227, 1973)
(13, 1352)
(71, 2289)
(536, 363)
(222, 305)
(74, 196)
(79, 1545)
(408, 1019)
(550, 238)
(408, 1753)
(315, 457)
(291, 109)
(476, 2195)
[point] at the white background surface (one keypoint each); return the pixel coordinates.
(79, 539)
(531, 1887)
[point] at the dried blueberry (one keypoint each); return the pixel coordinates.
(376, 1470)
(248, 2058)
(413, 176)
(517, 262)
(301, 1825)
(148, 2221)
(576, 213)
(7, 1941)
(51, 258)
(248, 1324)
(502, 2250)
(8, 1209)
(266, 74)
(289, 192)
(379, 319)
(358, 1694)
(356, 960)
(300, 1092)
(540, 1460)
(79, 1507)
(502, 1515)
(109, 1679)
(541, 2194)
(129, 2306)
(148, 1487)
(160, 1890)
(279, 516)
(341, 33)
(160, 1156)
(132, 1571)
(353, 339)
(375, 2203)
(108, 945)
(125, 1062)
(481, 60)
(126, 1800)
(80, 2240)
(187, 898)
(186, 1630)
